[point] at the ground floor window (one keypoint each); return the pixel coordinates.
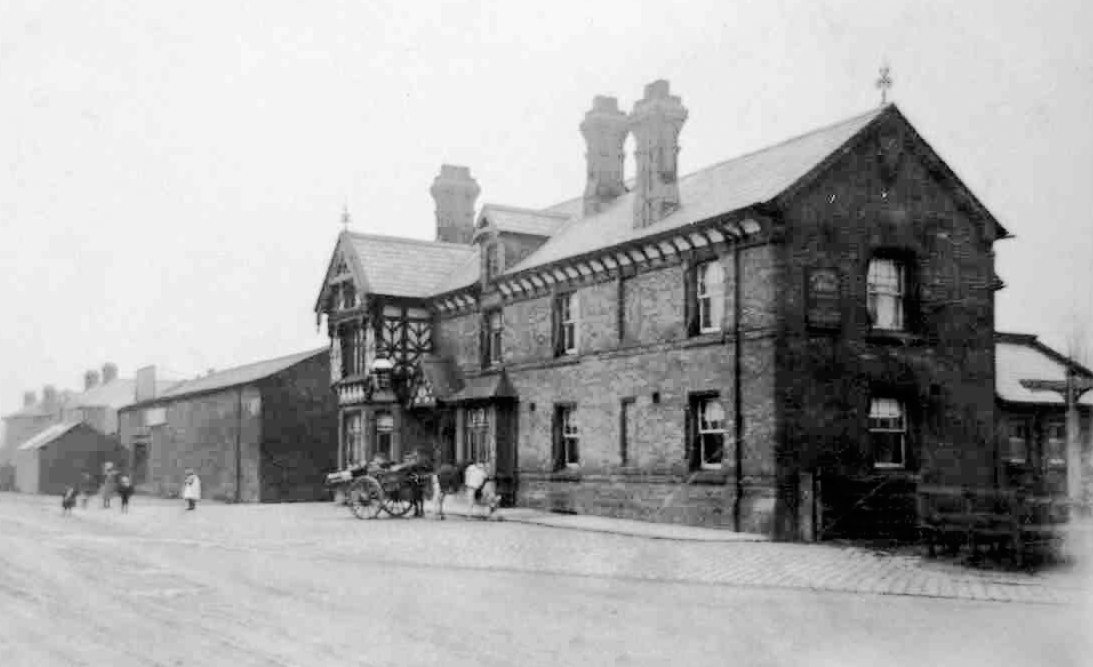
(1055, 443)
(708, 432)
(888, 432)
(1018, 441)
(476, 435)
(385, 427)
(566, 437)
(352, 439)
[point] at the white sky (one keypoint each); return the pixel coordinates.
(173, 173)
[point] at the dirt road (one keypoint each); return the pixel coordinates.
(269, 586)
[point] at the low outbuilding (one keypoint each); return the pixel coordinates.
(58, 456)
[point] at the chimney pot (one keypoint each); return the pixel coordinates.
(656, 121)
(49, 397)
(29, 399)
(454, 190)
(90, 379)
(109, 372)
(604, 129)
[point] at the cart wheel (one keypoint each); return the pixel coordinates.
(365, 498)
(396, 505)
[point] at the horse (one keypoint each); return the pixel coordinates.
(471, 479)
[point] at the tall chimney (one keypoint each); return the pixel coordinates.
(454, 191)
(109, 372)
(49, 397)
(29, 399)
(604, 129)
(655, 122)
(90, 379)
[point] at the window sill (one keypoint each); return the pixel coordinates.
(566, 475)
(896, 337)
(708, 476)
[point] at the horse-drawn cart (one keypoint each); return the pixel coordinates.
(371, 489)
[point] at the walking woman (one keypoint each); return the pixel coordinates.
(109, 483)
(191, 489)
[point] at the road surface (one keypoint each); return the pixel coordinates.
(308, 585)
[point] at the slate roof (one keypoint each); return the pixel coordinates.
(407, 267)
(494, 385)
(523, 220)
(116, 393)
(48, 435)
(463, 275)
(727, 186)
(234, 376)
(1023, 357)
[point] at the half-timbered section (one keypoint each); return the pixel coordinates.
(757, 345)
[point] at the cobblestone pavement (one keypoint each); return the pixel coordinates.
(326, 531)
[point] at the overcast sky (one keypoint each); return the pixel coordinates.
(173, 173)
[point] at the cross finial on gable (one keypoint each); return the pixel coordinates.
(345, 216)
(884, 83)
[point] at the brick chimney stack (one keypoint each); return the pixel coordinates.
(454, 191)
(656, 121)
(109, 372)
(29, 399)
(604, 129)
(49, 397)
(90, 379)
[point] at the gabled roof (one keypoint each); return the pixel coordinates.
(462, 275)
(1023, 357)
(397, 266)
(48, 435)
(753, 179)
(721, 188)
(521, 220)
(232, 377)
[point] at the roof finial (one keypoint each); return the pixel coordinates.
(884, 83)
(345, 216)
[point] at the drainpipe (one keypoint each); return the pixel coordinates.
(738, 403)
(238, 446)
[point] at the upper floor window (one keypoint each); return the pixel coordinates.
(887, 293)
(494, 327)
(566, 438)
(708, 418)
(710, 292)
(565, 323)
(1055, 443)
(888, 432)
(493, 260)
(705, 297)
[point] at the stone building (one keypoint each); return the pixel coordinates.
(263, 432)
(757, 345)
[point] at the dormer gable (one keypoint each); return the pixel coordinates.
(343, 286)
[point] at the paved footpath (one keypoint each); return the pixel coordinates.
(536, 542)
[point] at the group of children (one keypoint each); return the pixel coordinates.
(113, 482)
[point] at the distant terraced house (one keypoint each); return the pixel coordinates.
(757, 345)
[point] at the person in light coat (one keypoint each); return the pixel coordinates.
(191, 489)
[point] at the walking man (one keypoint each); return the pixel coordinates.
(191, 489)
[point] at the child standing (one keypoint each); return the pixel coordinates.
(191, 489)
(87, 489)
(125, 489)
